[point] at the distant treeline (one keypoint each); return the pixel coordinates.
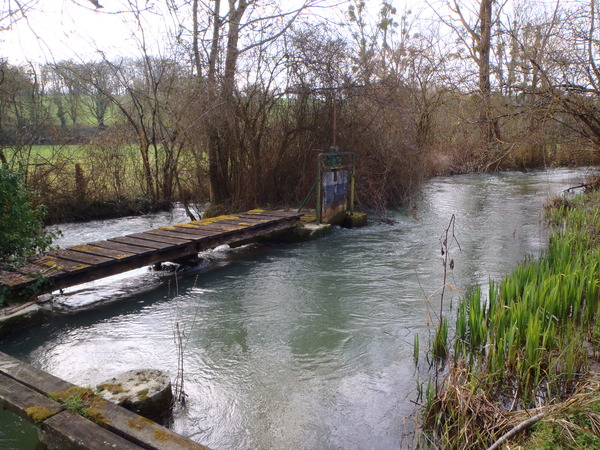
(234, 120)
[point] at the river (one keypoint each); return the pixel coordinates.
(306, 345)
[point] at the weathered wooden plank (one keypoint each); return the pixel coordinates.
(191, 229)
(100, 251)
(212, 220)
(25, 402)
(259, 219)
(172, 235)
(38, 270)
(248, 222)
(141, 242)
(143, 431)
(262, 216)
(63, 265)
(221, 229)
(185, 233)
(269, 217)
(169, 253)
(140, 249)
(272, 214)
(120, 247)
(41, 383)
(247, 233)
(24, 390)
(190, 225)
(244, 222)
(70, 431)
(217, 227)
(157, 237)
(80, 257)
(30, 376)
(12, 279)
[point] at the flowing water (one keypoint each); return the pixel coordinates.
(306, 345)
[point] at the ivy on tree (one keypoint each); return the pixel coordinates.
(22, 232)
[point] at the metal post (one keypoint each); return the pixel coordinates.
(319, 200)
(352, 183)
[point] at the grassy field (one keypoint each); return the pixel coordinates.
(37, 154)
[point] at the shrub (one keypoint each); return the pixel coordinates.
(22, 232)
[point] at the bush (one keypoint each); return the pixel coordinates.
(22, 232)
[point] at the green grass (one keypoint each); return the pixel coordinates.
(49, 153)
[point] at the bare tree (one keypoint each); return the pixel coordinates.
(11, 11)
(472, 24)
(570, 70)
(24, 113)
(229, 33)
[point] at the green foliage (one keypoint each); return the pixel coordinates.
(538, 316)
(22, 232)
(416, 349)
(526, 345)
(440, 342)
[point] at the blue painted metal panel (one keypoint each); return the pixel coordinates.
(335, 194)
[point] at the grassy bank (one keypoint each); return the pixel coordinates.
(525, 357)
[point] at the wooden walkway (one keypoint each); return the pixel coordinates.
(28, 391)
(83, 263)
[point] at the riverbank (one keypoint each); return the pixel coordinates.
(524, 365)
(85, 211)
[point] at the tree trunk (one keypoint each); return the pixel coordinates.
(220, 135)
(489, 124)
(149, 179)
(217, 166)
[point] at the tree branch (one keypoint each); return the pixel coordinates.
(523, 425)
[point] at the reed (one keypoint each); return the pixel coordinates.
(440, 341)
(416, 349)
(527, 344)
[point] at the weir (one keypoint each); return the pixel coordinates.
(38, 396)
(63, 268)
(35, 395)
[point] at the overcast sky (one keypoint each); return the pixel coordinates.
(62, 29)
(72, 29)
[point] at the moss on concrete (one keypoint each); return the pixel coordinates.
(113, 388)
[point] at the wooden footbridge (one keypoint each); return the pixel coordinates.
(83, 263)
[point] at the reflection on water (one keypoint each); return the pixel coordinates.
(305, 345)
